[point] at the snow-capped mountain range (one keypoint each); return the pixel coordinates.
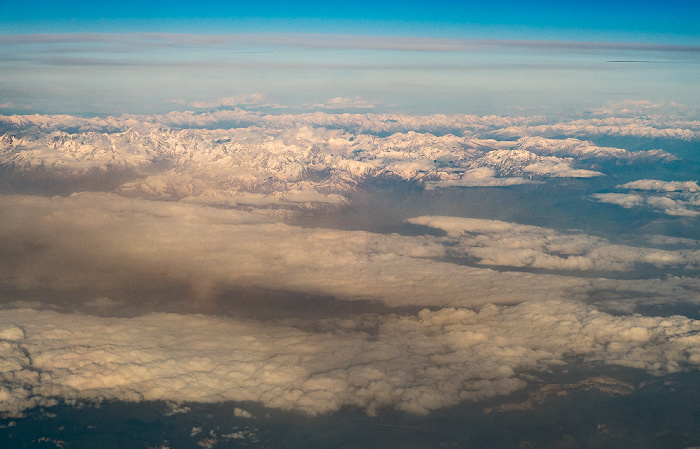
(237, 157)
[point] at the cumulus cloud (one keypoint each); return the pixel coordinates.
(661, 204)
(501, 243)
(241, 413)
(484, 127)
(373, 123)
(414, 363)
(236, 100)
(662, 186)
(12, 105)
(644, 108)
(676, 198)
(612, 126)
(518, 162)
(671, 241)
(559, 169)
(625, 200)
(479, 177)
(344, 103)
(584, 149)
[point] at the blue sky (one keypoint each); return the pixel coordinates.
(625, 19)
(412, 57)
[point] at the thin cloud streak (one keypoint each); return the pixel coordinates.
(339, 41)
(284, 65)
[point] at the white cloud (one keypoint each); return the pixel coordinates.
(676, 198)
(662, 186)
(361, 123)
(241, 413)
(104, 240)
(671, 206)
(671, 241)
(583, 149)
(103, 303)
(626, 200)
(204, 246)
(269, 164)
(415, 363)
(479, 177)
(509, 244)
(518, 161)
(511, 127)
(12, 105)
(560, 169)
(641, 108)
(344, 103)
(613, 126)
(174, 408)
(236, 100)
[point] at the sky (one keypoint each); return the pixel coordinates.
(376, 224)
(507, 19)
(416, 57)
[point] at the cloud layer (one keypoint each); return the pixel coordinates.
(414, 363)
(204, 206)
(676, 198)
(106, 240)
(112, 242)
(508, 244)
